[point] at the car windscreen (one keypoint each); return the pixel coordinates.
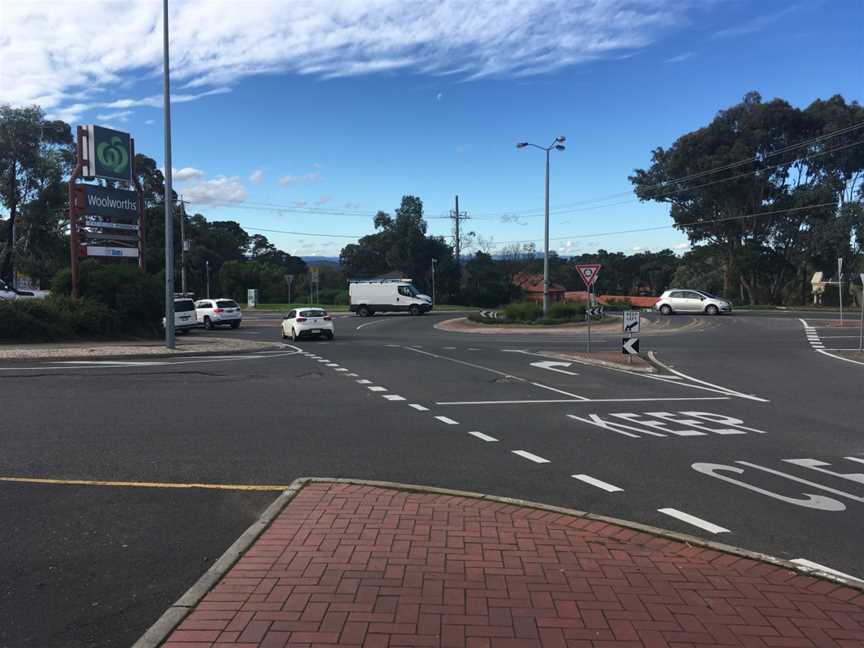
(184, 306)
(313, 313)
(411, 289)
(226, 304)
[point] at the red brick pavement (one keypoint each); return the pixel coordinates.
(352, 565)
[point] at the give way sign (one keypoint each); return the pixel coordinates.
(589, 272)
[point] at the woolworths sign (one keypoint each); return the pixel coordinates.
(107, 154)
(117, 203)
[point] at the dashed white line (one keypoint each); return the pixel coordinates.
(483, 437)
(393, 397)
(363, 381)
(418, 407)
(446, 420)
(858, 459)
(530, 456)
(692, 519)
(332, 364)
(609, 488)
(352, 375)
(341, 369)
(376, 388)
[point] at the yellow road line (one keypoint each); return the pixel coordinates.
(135, 484)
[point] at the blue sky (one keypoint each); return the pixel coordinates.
(332, 111)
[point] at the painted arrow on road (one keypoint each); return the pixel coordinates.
(550, 365)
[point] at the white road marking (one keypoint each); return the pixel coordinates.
(720, 388)
(376, 388)
(802, 481)
(467, 364)
(472, 349)
(824, 352)
(551, 365)
(809, 564)
(370, 324)
(363, 381)
(449, 348)
(858, 459)
(332, 364)
(351, 375)
(341, 369)
(586, 400)
(819, 466)
(560, 391)
(483, 437)
(530, 456)
(393, 397)
(418, 407)
(692, 519)
(446, 420)
(598, 483)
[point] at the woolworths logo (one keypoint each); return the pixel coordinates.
(101, 201)
(107, 202)
(112, 155)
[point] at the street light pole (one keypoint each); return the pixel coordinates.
(558, 145)
(170, 341)
(207, 265)
(434, 261)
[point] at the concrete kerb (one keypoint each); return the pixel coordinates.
(247, 346)
(174, 615)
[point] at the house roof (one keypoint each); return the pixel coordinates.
(534, 283)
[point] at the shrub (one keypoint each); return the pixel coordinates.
(566, 311)
(618, 305)
(56, 318)
(523, 312)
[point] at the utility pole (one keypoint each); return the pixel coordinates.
(170, 340)
(182, 245)
(207, 265)
(458, 217)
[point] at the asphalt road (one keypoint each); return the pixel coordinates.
(754, 438)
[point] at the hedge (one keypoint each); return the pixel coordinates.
(57, 318)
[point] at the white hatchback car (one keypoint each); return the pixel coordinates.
(215, 312)
(307, 322)
(691, 301)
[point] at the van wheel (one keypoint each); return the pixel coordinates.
(666, 309)
(414, 310)
(363, 311)
(208, 324)
(711, 309)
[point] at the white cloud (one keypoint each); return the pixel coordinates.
(219, 191)
(187, 173)
(300, 203)
(439, 97)
(150, 122)
(639, 248)
(121, 116)
(680, 58)
(256, 176)
(216, 43)
(306, 178)
(681, 246)
(756, 24)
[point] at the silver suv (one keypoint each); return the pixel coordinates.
(678, 300)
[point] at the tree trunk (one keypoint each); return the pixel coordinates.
(7, 269)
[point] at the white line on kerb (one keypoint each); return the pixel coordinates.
(418, 407)
(393, 397)
(376, 388)
(446, 420)
(530, 456)
(598, 483)
(483, 437)
(822, 568)
(692, 519)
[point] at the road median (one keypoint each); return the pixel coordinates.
(189, 346)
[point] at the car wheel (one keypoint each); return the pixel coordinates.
(363, 311)
(294, 337)
(284, 337)
(235, 325)
(414, 310)
(330, 335)
(666, 309)
(208, 324)
(711, 309)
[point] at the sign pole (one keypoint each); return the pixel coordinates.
(73, 213)
(861, 327)
(170, 340)
(588, 312)
(840, 288)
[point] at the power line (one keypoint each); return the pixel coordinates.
(841, 131)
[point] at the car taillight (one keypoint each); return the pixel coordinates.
(301, 319)
(217, 310)
(328, 319)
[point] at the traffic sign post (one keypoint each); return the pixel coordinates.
(630, 344)
(589, 272)
(861, 327)
(840, 288)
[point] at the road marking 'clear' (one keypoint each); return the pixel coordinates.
(393, 397)
(483, 437)
(530, 456)
(376, 388)
(418, 407)
(598, 483)
(692, 519)
(446, 420)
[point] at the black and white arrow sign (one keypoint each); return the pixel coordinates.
(630, 346)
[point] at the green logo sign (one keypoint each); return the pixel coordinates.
(111, 153)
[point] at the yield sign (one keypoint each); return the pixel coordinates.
(589, 272)
(630, 346)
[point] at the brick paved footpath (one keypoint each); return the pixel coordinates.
(353, 565)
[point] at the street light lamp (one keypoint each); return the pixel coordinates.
(558, 145)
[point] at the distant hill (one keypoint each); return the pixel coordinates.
(320, 260)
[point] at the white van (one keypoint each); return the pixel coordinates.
(373, 296)
(184, 314)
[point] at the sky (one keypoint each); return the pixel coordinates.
(300, 120)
